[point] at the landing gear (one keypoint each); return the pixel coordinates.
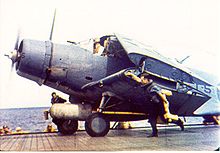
(97, 125)
(67, 127)
(208, 119)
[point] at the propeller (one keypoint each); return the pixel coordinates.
(14, 55)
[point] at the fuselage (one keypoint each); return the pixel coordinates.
(65, 67)
(69, 67)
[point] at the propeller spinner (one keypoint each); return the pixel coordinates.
(15, 55)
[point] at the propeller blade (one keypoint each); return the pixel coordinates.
(16, 47)
(14, 55)
(12, 66)
(51, 32)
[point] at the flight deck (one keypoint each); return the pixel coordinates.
(194, 138)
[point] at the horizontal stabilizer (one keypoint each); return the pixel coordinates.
(211, 107)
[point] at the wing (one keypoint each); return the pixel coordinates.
(162, 67)
(190, 91)
(156, 63)
(118, 85)
(125, 89)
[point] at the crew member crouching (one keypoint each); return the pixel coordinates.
(159, 103)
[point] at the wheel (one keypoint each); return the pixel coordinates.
(67, 127)
(208, 119)
(96, 125)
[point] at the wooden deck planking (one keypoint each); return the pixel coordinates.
(71, 142)
(34, 143)
(11, 143)
(2, 142)
(40, 143)
(6, 144)
(85, 143)
(48, 143)
(17, 143)
(59, 143)
(51, 143)
(204, 138)
(27, 144)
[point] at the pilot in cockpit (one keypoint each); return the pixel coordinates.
(97, 47)
(100, 45)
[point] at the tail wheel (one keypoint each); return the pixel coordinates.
(67, 127)
(97, 125)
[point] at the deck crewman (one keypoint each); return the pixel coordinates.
(1, 131)
(56, 98)
(6, 130)
(49, 128)
(159, 103)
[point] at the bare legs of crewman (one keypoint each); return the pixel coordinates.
(153, 122)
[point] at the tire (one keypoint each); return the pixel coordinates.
(67, 127)
(208, 119)
(97, 125)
